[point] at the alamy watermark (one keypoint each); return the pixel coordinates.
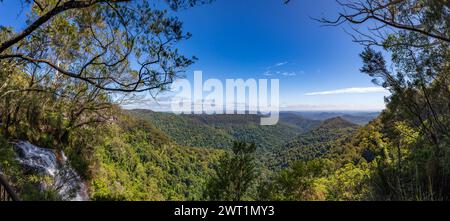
(237, 96)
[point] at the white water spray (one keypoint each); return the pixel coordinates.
(66, 181)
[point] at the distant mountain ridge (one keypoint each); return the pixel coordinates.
(295, 137)
(219, 131)
(298, 121)
(335, 123)
(313, 144)
(356, 117)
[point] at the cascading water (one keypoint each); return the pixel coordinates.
(44, 161)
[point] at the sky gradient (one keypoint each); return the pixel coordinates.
(268, 39)
(318, 66)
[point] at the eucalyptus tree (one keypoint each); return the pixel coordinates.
(63, 70)
(416, 36)
(115, 45)
(234, 175)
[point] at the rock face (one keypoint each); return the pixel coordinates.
(44, 162)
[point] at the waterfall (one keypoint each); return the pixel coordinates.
(44, 161)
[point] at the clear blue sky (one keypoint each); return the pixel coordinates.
(248, 38)
(241, 39)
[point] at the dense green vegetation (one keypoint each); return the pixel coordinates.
(219, 131)
(314, 144)
(234, 174)
(127, 159)
(403, 154)
(136, 162)
(184, 131)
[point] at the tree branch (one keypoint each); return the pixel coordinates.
(49, 15)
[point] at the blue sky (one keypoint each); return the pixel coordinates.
(318, 66)
(267, 39)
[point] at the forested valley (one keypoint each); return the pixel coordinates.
(64, 77)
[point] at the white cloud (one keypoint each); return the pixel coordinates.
(281, 64)
(352, 90)
(267, 73)
(289, 74)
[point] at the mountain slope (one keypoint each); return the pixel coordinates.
(185, 130)
(335, 123)
(313, 144)
(219, 131)
(304, 124)
(355, 117)
(135, 161)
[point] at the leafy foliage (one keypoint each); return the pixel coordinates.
(234, 174)
(141, 155)
(313, 144)
(219, 131)
(136, 162)
(92, 42)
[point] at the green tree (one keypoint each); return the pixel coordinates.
(412, 163)
(298, 182)
(63, 72)
(93, 41)
(234, 174)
